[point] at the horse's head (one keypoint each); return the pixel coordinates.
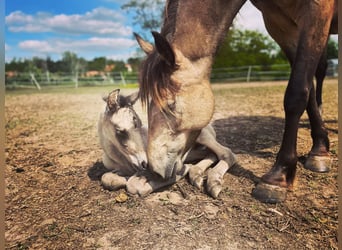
(123, 127)
(180, 103)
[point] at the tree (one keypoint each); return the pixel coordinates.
(73, 65)
(148, 13)
(332, 49)
(246, 47)
(98, 63)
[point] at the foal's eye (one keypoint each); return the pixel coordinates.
(172, 105)
(120, 132)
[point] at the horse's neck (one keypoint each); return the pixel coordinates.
(199, 26)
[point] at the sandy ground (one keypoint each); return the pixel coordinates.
(54, 199)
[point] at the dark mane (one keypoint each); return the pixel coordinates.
(155, 82)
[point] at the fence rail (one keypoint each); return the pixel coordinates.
(233, 74)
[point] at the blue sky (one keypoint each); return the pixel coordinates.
(90, 28)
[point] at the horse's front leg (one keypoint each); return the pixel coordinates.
(299, 91)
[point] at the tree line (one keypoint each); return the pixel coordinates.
(69, 63)
(239, 48)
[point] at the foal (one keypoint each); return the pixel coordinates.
(124, 140)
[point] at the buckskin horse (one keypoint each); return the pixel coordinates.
(175, 85)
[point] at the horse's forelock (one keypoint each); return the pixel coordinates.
(155, 81)
(155, 78)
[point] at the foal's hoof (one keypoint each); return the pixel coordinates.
(139, 185)
(195, 177)
(215, 191)
(269, 193)
(112, 181)
(319, 164)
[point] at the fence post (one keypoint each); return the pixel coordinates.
(48, 76)
(76, 80)
(33, 79)
(122, 78)
(249, 73)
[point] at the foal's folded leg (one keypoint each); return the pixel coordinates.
(145, 182)
(113, 181)
(196, 171)
(215, 178)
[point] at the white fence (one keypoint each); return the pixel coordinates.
(233, 74)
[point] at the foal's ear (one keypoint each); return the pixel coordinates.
(164, 49)
(113, 100)
(144, 45)
(132, 98)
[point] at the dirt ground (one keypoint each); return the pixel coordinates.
(54, 199)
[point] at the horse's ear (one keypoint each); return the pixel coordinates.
(144, 45)
(132, 98)
(164, 49)
(113, 100)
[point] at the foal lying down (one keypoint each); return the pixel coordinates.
(124, 140)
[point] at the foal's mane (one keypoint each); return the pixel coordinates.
(155, 82)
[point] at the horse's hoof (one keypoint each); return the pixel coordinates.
(267, 193)
(215, 191)
(319, 164)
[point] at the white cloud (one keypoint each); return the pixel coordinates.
(99, 21)
(95, 45)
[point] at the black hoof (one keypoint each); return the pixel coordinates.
(319, 164)
(267, 193)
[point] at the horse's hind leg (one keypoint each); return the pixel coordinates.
(320, 75)
(318, 159)
(312, 35)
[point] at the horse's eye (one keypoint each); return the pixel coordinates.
(135, 122)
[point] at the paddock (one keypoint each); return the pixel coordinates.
(54, 199)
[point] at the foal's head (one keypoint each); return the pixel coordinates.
(124, 129)
(180, 103)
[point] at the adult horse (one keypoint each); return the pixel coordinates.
(175, 81)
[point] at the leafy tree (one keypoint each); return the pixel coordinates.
(135, 62)
(332, 49)
(247, 47)
(148, 13)
(16, 65)
(98, 63)
(73, 64)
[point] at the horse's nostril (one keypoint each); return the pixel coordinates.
(144, 164)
